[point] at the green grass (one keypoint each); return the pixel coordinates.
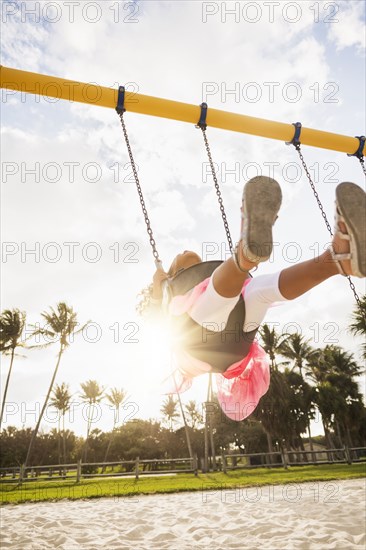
(122, 487)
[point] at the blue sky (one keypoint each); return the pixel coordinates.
(167, 52)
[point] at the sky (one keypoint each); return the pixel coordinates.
(72, 227)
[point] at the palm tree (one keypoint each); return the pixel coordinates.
(208, 429)
(169, 410)
(60, 326)
(274, 410)
(116, 397)
(343, 370)
(301, 405)
(273, 407)
(12, 324)
(318, 367)
(358, 327)
(272, 343)
(298, 349)
(194, 414)
(333, 370)
(92, 394)
(186, 427)
(341, 361)
(61, 401)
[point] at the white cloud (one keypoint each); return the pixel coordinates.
(349, 30)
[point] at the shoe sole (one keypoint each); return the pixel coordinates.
(262, 197)
(351, 203)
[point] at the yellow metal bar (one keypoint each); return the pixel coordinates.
(33, 83)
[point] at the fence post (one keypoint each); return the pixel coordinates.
(347, 455)
(195, 465)
(137, 467)
(284, 461)
(78, 471)
(21, 472)
(269, 459)
(224, 464)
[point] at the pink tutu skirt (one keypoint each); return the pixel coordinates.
(240, 387)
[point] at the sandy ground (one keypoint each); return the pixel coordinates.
(305, 516)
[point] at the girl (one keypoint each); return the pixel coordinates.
(216, 321)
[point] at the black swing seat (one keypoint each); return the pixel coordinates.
(218, 346)
(192, 276)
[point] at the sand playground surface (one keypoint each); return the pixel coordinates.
(308, 516)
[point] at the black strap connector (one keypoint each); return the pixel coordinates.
(296, 139)
(202, 121)
(121, 100)
(359, 152)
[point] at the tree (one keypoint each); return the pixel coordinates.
(13, 445)
(273, 407)
(297, 349)
(186, 427)
(247, 436)
(272, 343)
(116, 397)
(358, 327)
(208, 428)
(92, 394)
(194, 414)
(169, 410)
(60, 325)
(333, 369)
(341, 361)
(343, 370)
(138, 437)
(12, 324)
(301, 407)
(273, 410)
(61, 401)
(300, 352)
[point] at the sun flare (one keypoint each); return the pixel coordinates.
(156, 345)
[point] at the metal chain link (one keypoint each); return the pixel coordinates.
(139, 190)
(218, 192)
(298, 149)
(362, 162)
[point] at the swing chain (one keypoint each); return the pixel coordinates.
(139, 190)
(218, 191)
(353, 288)
(298, 149)
(359, 153)
(362, 162)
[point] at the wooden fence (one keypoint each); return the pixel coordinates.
(131, 468)
(293, 458)
(136, 468)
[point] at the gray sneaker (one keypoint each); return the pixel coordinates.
(350, 211)
(261, 202)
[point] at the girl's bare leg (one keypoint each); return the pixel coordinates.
(228, 280)
(298, 279)
(294, 281)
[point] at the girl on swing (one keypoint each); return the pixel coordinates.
(216, 321)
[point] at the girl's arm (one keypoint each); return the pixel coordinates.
(159, 277)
